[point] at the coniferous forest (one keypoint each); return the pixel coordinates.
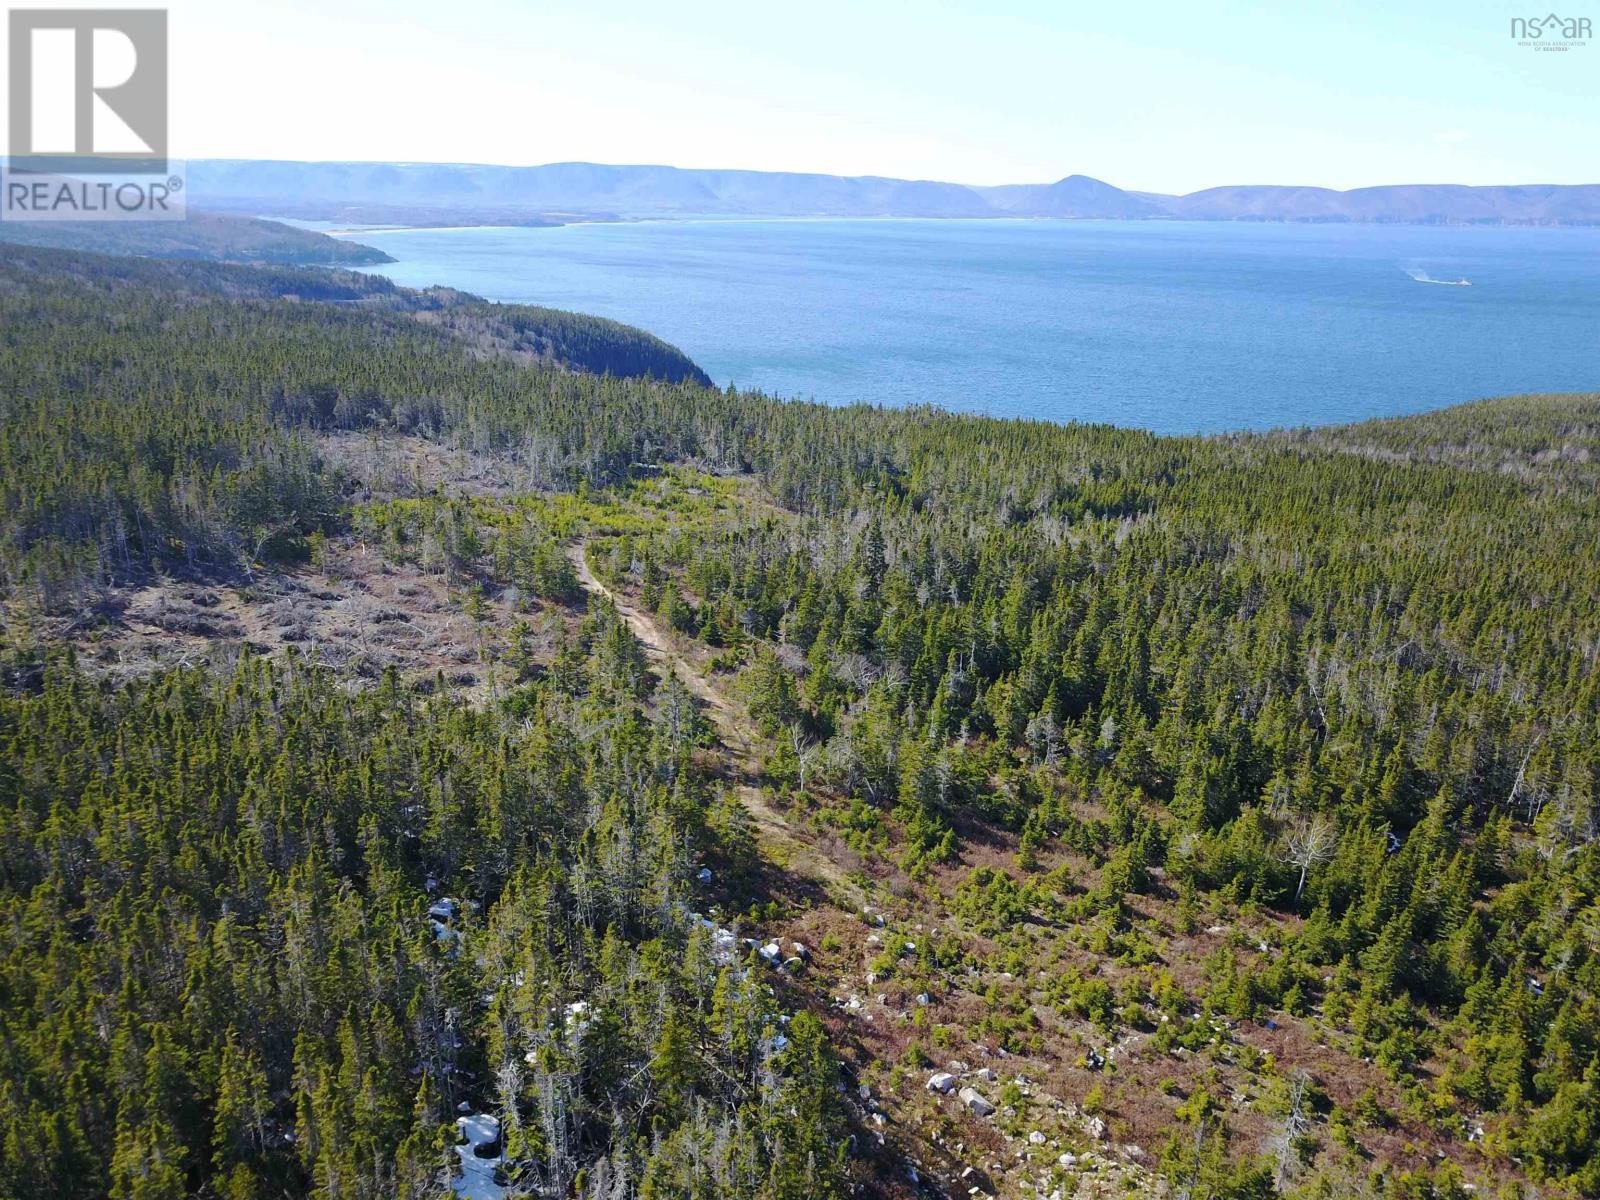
(450, 748)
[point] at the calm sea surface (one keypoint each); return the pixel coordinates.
(1176, 327)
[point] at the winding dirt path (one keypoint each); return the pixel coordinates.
(778, 838)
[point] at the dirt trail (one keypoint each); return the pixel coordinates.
(778, 837)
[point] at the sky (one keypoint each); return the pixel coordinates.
(1158, 95)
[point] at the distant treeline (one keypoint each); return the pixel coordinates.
(200, 237)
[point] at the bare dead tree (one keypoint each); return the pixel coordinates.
(1043, 736)
(1308, 843)
(843, 763)
(508, 1089)
(1516, 784)
(807, 754)
(557, 1092)
(1295, 1124)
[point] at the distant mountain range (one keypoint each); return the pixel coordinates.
(447, 193)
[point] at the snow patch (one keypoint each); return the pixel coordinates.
(476, 1181)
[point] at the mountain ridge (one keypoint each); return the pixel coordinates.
(569, 190)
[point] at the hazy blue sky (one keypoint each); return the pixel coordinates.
(1158, 95)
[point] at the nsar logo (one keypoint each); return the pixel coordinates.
(1551, 32)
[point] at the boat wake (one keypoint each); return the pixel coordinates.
(1422, 276)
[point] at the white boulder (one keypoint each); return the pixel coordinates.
(975, 1102)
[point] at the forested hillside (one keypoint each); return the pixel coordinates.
(916, 803)
(209, 237)
(145, 429)
(1556, 444)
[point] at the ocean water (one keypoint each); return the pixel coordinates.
(1176, 327)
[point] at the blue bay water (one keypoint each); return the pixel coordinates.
(1176, 327)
